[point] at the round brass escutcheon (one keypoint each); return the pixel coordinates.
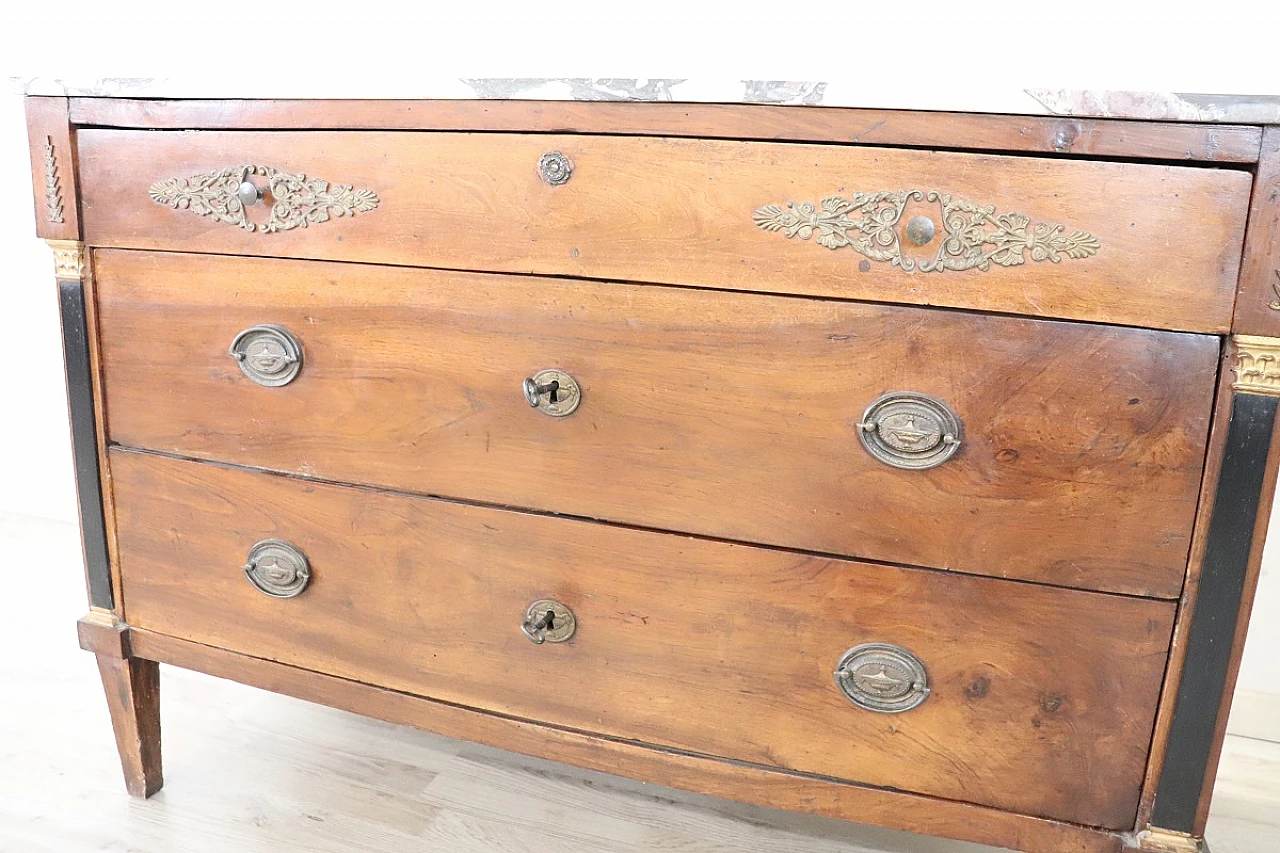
(277, 568)
(268, 354)
(548, 621)
(555, 168)
(553, 392)
(909, 430)
(882, 677)
(920, 230)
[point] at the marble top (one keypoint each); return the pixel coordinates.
(1165, 106)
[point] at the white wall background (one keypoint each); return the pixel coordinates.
(927, 53)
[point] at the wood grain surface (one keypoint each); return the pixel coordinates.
(1258, 304)
(1042, 699)
(132, 687)
(733, 416)
(667, 769)
(48, 124)
(1148, 140)
(680, 211)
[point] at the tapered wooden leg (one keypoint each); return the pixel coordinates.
(132, 686)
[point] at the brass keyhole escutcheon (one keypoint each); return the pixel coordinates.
(552, 392)
(548, 621)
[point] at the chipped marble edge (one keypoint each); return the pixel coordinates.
(1083, 103)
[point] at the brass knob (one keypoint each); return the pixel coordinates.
(920, 230)
(249, 193)
(882, 677)
(552, 392)
(268, 354)
(548, 621)
(910, 430)
(555, 168)
(277, 568)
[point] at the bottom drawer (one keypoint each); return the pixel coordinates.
(1039, 700)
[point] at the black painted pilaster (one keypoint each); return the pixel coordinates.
(1217, 611)
(84, 442)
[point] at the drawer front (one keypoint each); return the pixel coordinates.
(1041, 700)
(729, 415)
(1134, 244)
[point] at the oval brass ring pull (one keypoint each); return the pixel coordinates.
(910, 430)
(548, 621)
(277, 568)
(882, 677)
(552, 392)
(268, 354)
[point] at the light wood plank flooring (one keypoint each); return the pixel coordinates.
(251, 772)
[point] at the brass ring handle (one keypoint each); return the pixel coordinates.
(882, 677)
(910, 430)
(268, 354)
(277, 568)
(552, 392)
(548, 621)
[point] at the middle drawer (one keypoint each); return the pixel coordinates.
(730, 415)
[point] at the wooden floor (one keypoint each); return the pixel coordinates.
(250, 772)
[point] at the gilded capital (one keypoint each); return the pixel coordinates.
(1257, 367)
(68, 259)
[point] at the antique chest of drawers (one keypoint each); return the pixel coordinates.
(902, 468)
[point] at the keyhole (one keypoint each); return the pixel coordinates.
(553, 391)
(547, 622)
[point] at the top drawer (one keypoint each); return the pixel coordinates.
(1134, 244)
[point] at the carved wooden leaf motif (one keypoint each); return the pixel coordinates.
(299, 201)
(974, 236)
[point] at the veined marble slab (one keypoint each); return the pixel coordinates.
(1164, 106)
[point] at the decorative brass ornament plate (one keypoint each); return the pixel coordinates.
(548, 621)
(553, 392)
(1257, 367)
(555, 168)
(882, 677)
(268, 354)
(974, 235)
(299, 201)
(909, 430)
(52, 184)
(277, 568)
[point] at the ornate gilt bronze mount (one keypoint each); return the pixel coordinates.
(974, 236)
(299, 201)
(68, 259)
(1257, 369)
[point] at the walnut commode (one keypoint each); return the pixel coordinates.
(933, 478)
